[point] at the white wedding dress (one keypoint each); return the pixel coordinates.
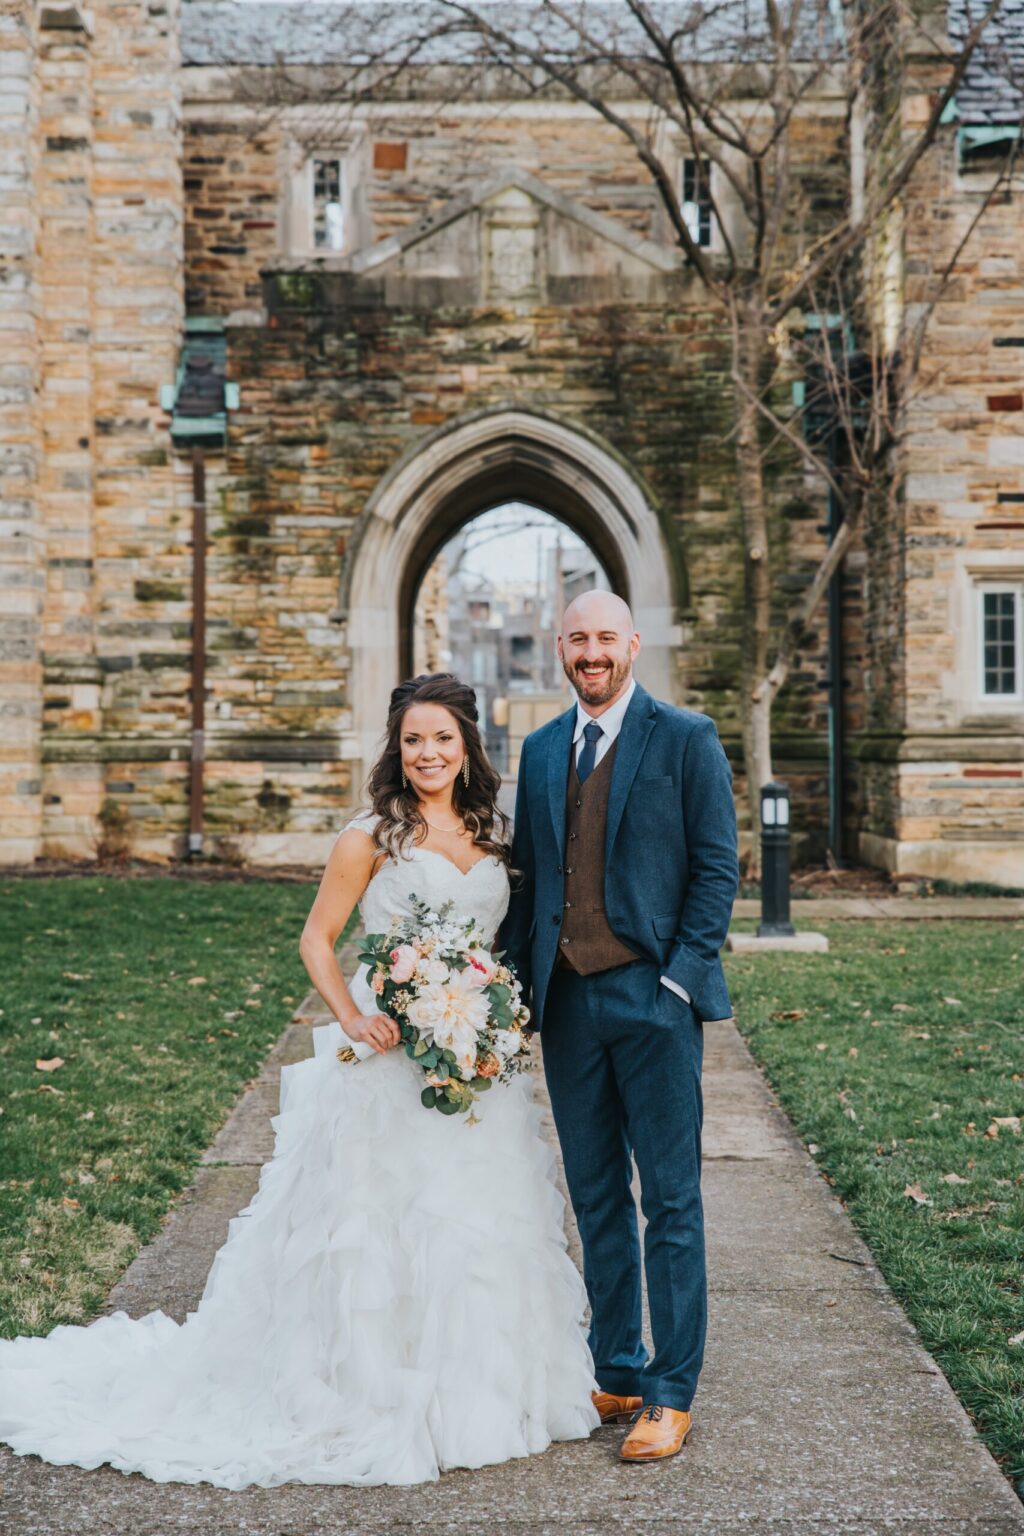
(395, 1300)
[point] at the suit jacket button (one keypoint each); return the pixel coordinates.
(557, 918)
(559, 870)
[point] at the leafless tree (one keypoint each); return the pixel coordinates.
(727, 82)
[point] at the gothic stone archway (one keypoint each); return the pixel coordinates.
(460, 471)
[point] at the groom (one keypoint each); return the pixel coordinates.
(625, 836)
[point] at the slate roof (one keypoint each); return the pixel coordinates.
(269, 31)
(319, 32)
(993, 88)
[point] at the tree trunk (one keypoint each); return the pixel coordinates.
(755, 714)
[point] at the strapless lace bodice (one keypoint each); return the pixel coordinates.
(482, 894)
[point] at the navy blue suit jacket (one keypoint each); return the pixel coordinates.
(671, 869)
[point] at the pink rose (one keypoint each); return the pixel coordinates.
(481, 967)
(377, 982)
(404, 960)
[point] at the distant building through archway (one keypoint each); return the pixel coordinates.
(468, 468)
(489, 609)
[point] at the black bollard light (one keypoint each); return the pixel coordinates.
(775, 921)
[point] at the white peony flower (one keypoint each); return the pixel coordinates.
(427, 1010)
(507, 1043)
(432, 972)
(463, 1013)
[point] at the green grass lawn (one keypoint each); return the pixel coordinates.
(896, 1055)
(161, 997)
(900, 1058)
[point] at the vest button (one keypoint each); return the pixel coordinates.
(559, 870)
(568, 904)
(578, 804)
(568, 869)
(565, 941)
(572, 837)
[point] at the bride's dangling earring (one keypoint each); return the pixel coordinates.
(405, 781)
(465, 770)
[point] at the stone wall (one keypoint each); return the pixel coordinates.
(93, 318)
(342, 373)
(941, 782)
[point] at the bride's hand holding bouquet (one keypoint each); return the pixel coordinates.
(376, 1030)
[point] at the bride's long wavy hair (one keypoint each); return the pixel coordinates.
(397, 805)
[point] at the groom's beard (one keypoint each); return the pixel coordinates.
(597, 690)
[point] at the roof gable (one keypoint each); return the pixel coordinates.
(513, 200)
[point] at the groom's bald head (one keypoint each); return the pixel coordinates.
(606, 609)
(597, 647)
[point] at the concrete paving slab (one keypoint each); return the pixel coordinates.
(823, 909)
(804, 943)
(818, 1410)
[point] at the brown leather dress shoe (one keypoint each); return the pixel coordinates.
(614, 1409)
(658, 1432)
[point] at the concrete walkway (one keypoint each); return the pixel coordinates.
(919, 909)
(818, 1409)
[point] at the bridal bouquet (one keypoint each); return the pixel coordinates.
(458, 1009)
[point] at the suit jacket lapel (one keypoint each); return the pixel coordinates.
(558, 771)
(637, 725)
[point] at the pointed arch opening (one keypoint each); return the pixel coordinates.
(469, 468)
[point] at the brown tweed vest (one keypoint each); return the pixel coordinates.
(587, 942)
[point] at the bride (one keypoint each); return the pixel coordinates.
(397, 1298)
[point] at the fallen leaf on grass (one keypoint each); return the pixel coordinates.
(49, 1063)
(916, 1193)
(953, 1002)
(1018, 1338)
(787, 1013)
(967, 1210)
(72, 1204)
(49, 1088)
(902, 1007)
(822, 1045)
(197, 981)
(90, 1114)
(954, 1178)
(1001, 1122)
(920, 1034)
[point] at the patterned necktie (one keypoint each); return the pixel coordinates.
(592, 734)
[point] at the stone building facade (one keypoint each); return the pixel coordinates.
(424, 312)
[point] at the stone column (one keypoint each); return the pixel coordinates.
(72, 787)
(21, 534)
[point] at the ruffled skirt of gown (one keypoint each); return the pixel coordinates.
(395, 1300)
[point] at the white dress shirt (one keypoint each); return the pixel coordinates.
(611, 724)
